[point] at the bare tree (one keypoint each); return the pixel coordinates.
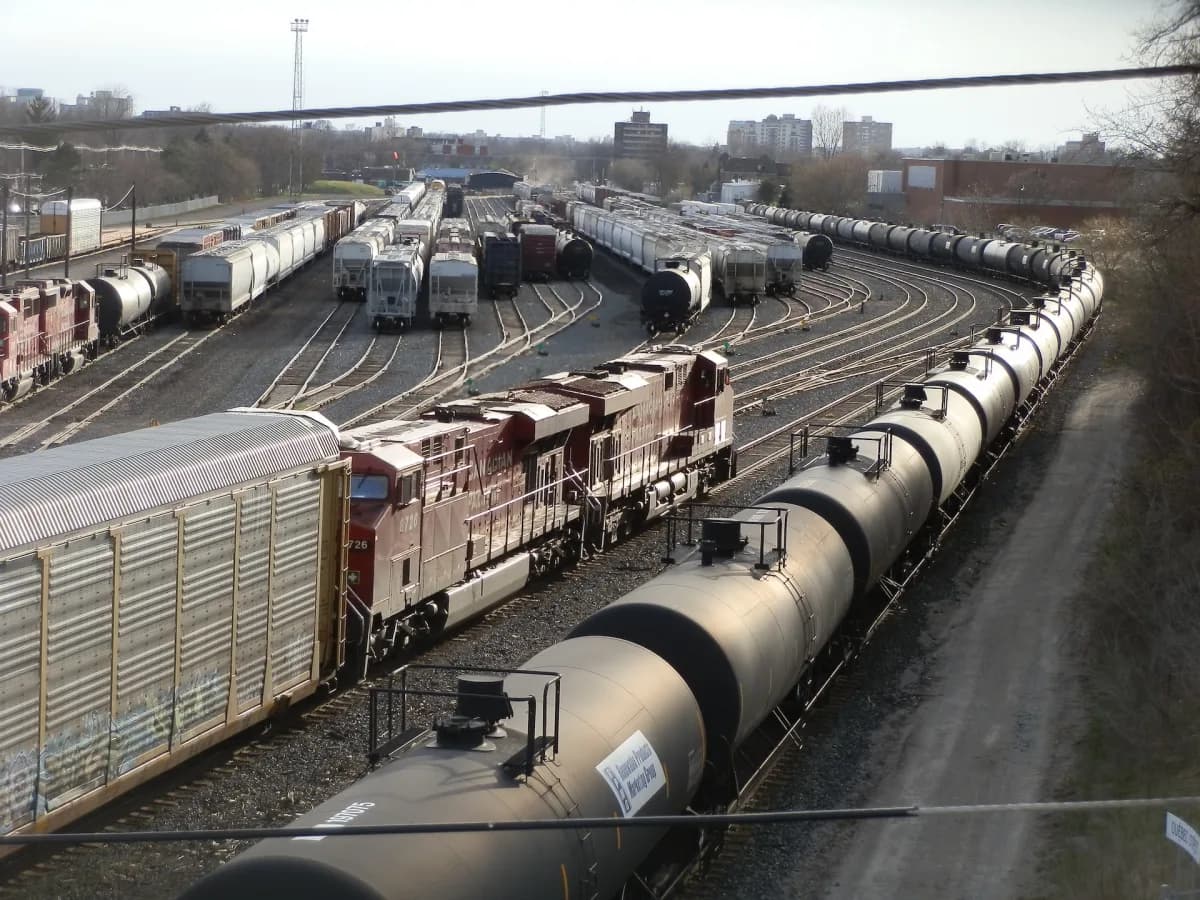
(837, 185)
(827, 130)
(40, 109)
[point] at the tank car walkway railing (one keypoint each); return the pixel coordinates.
(760, 518)
(389, 731)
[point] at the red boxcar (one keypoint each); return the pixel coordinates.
(538, 252)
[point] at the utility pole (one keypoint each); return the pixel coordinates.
(67, 257)
(295, 186)
(25, 201)
(4, 235)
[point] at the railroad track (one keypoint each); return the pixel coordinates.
(448, 371)
(75, 416)
(331, 713)
(297, 375)
(445, 377)
(926, 332)
(376, 360)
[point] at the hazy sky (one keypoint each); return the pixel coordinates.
(238, 57)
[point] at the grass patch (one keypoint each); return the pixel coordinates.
(1136, 619)
(345, 188)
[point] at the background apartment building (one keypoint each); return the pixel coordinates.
(866, 136)
(639, 138)
(775, 134)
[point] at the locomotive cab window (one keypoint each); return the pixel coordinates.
(368, 487)
(406, 488)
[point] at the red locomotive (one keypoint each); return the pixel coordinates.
(47, 328)
(454, 512)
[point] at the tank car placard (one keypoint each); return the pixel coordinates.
(633, 773)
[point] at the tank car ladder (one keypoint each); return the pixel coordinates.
(589, 873)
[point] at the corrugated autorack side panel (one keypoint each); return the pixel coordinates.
(181, 583)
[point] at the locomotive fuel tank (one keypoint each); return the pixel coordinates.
(631, 742)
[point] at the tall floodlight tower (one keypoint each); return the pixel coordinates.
(296, 185)
(543, 131)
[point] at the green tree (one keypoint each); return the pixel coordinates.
(61, 167)
(768, 191)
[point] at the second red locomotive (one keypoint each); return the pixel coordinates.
(453, 513)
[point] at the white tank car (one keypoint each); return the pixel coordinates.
(453, 287)
(395, 285)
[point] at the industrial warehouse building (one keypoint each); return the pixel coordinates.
(1058, 194)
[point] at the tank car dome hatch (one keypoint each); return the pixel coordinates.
(840, 449)
(481, 705)
(914, 396)
(720, 537)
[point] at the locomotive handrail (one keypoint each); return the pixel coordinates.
(571, 476)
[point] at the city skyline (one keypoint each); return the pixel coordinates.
(249, 67)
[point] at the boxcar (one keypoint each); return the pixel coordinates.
(538, 252)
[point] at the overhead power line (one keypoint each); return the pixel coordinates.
(755, 819)
(591, 97)
(82, 148)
